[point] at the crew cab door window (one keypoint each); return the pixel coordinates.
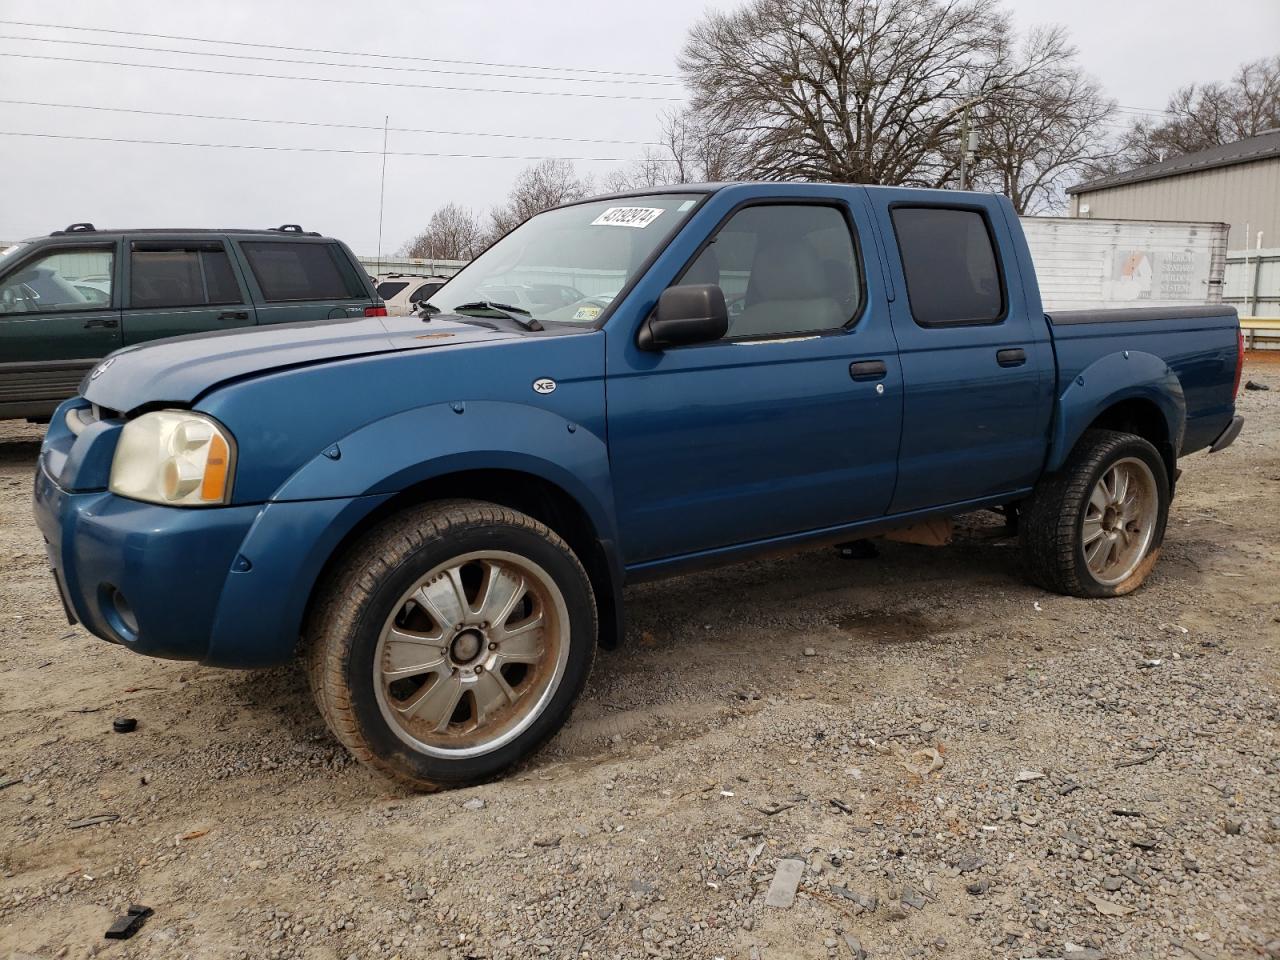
(949, 259)
(785, 269)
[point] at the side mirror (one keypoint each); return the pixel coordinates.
(686, 314)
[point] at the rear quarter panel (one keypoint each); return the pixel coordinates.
(1185, 363)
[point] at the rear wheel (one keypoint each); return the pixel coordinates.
(452, 642)
(1094, 528)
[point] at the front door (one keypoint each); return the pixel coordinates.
(182, 286)
(58, 316)
(788, 424)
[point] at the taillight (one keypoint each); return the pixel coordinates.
(382, 312)
(1235, 387)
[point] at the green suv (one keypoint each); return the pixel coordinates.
(69, 299)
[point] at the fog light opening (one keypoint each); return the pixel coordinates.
(120, 612)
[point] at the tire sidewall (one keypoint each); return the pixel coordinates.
(382, 740)
(1138, 448)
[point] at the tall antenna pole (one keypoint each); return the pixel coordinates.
(964, 147)
(382, 188)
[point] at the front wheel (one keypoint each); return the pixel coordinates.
(451, 642)
(1094, 528)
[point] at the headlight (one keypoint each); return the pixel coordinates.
(176, 458)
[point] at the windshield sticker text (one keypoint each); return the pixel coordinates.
(627, 217)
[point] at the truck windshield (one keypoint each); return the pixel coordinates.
(566, 265)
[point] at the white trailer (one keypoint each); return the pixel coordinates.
(1086, 263)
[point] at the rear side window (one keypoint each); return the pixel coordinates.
(950, 264)
(389, 288)
(181, 275)
(288, 270)
(424, 291)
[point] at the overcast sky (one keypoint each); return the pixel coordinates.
(1139, 49)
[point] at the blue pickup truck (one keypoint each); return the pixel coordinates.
(438, 514)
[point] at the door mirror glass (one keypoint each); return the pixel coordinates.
(694, 313)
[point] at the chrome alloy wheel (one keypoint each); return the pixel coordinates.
(1120, 520)
(472, 654)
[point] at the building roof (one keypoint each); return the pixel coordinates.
(1262, 147)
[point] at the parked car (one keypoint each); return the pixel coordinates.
(446, 511)
(403, 293)
(69, 299)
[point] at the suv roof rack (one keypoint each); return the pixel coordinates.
(293, 228)
(75, 228)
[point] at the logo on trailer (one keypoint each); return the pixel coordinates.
(544, 385)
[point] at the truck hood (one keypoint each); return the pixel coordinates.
(180, 369)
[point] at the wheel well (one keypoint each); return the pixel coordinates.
(1143, 418)
(530, 494)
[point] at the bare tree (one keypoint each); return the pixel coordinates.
(868, 91)
(690, 152)
(1038, 137)
(546, 184)
(453, 233)
(1199, 116)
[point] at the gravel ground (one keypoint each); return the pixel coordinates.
(962, 765)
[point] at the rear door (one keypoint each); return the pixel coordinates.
(303, 279)
(176, 286)
(59, 314)
(977, 367)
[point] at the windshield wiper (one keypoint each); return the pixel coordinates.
(506, 310)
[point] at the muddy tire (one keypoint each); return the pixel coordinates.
(1095, 527)
(450, 642)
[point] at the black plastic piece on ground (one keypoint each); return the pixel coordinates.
(124, 724)
(126, 926)
(1254, 385)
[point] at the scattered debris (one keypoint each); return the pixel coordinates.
(855, 947)
(912, 898)
(1072, 951)
(754, 854)
(978, 887)
(1107, 908)
(782, 891)
(129, 924)
(921, 762)
(774, 808)
(94, 820)
(193, 834)
(1145, 843)
(1027, 776)
(810, 652)
(841, 805)
(124, 724)
(867, 903)
(475, 803)
(1255, 385)
(1144, 758)
(971, 863)
(1125, 812)
(6, 782)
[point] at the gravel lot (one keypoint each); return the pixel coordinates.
(1109, 782)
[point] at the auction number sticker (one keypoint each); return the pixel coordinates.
(627, 217)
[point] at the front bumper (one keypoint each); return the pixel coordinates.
(227, 586)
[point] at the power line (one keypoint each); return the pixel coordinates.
(345, 53)
(363, 83)
(318, 123)
(330, 63)
(343, 150)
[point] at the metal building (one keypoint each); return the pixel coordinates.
(1237, 183)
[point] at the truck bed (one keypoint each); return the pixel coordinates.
(1198, 343)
